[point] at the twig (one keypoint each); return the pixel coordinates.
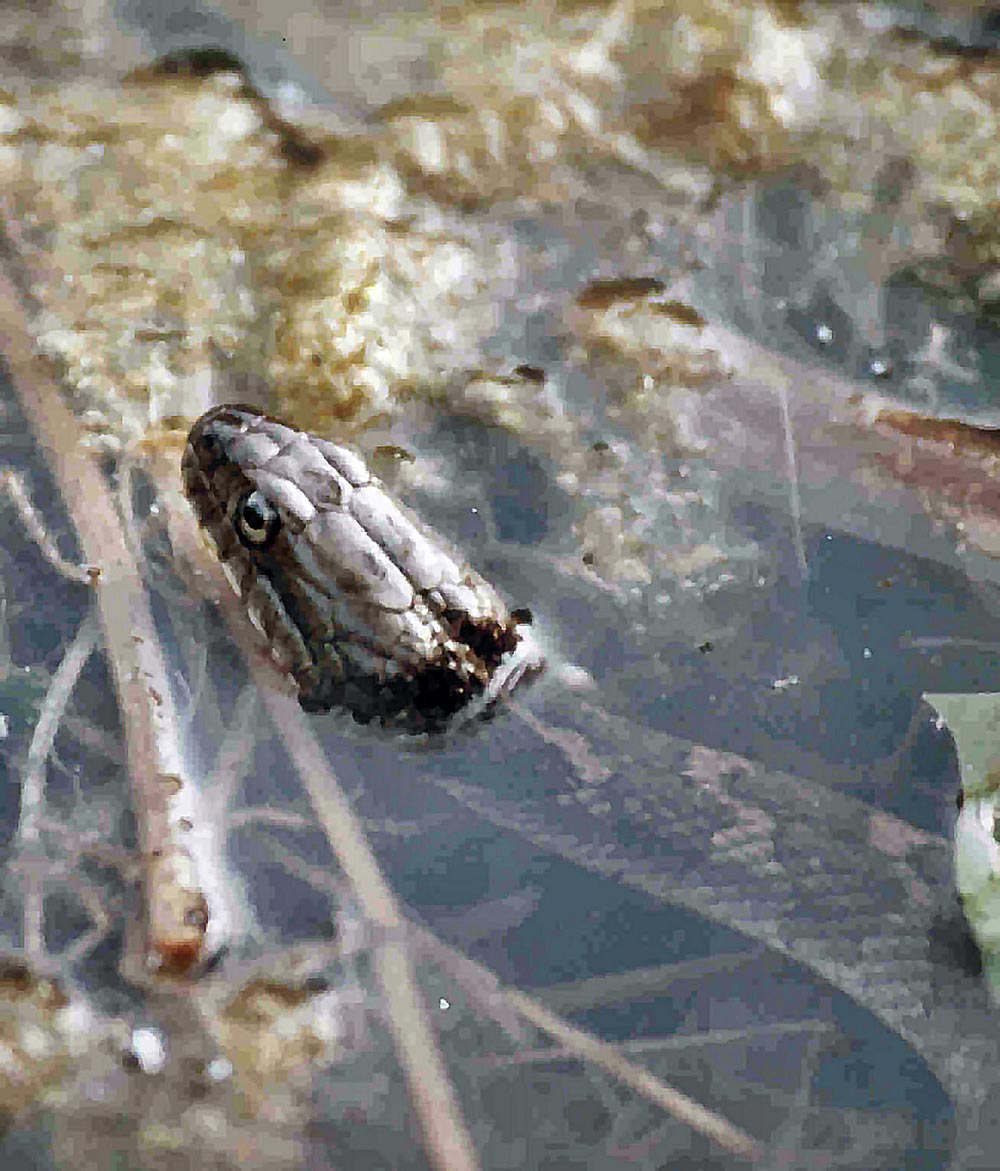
(268, 816)
(44, 734)
(35, 527)
(93, 905)
(717, 1038)
(792, 471)
(581, 1044)
(33, 779)
(176, 913)
(614, 1062)
(448, 1142)
(593, 991)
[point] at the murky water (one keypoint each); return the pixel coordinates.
(730, 853)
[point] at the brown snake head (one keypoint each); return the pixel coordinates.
(367, 608)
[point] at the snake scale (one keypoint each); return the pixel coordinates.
(366, 607)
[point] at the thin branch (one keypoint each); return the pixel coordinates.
(268, 816)
(613, 1061)
(176, 915)
(792, 471)
(33, 780)
(620, 987)
(448, 1143)
(14, 487)
(47, 725)
(716, 1038)
(93, 904)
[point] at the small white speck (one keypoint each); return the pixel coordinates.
(219, 1069)
(290, 97)
(880, 367)
(148, 1050)
(474, 511)
(574, 677)
(824, 334)
(867, 652)
(785, 683)
(444, 1005)
(4, 727)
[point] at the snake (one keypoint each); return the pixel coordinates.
(365, 606)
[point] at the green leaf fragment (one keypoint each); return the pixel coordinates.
(974, 722)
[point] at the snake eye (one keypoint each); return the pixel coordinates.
(257, 520)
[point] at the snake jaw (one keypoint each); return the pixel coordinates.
(370, 609)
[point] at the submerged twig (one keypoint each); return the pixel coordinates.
(176, 911)
(49, 717)
(448, 1142)
(716, 1038)
(33, 779)
(613, 1061)
(34, 526)
(792, 471)
(578, 1043)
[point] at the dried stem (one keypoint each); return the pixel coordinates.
(44, 734)
(792, 472)
(578, 1043)
(175, 906)
(34, 526)
(613, 1061)
(448, 1143)
(33, 779)
(718, 1038)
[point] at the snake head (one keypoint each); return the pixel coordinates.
(364, 605)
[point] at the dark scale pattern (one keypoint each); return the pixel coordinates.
(371, 610)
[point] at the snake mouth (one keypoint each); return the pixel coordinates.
(366, 607)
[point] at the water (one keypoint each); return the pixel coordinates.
(731, 853)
